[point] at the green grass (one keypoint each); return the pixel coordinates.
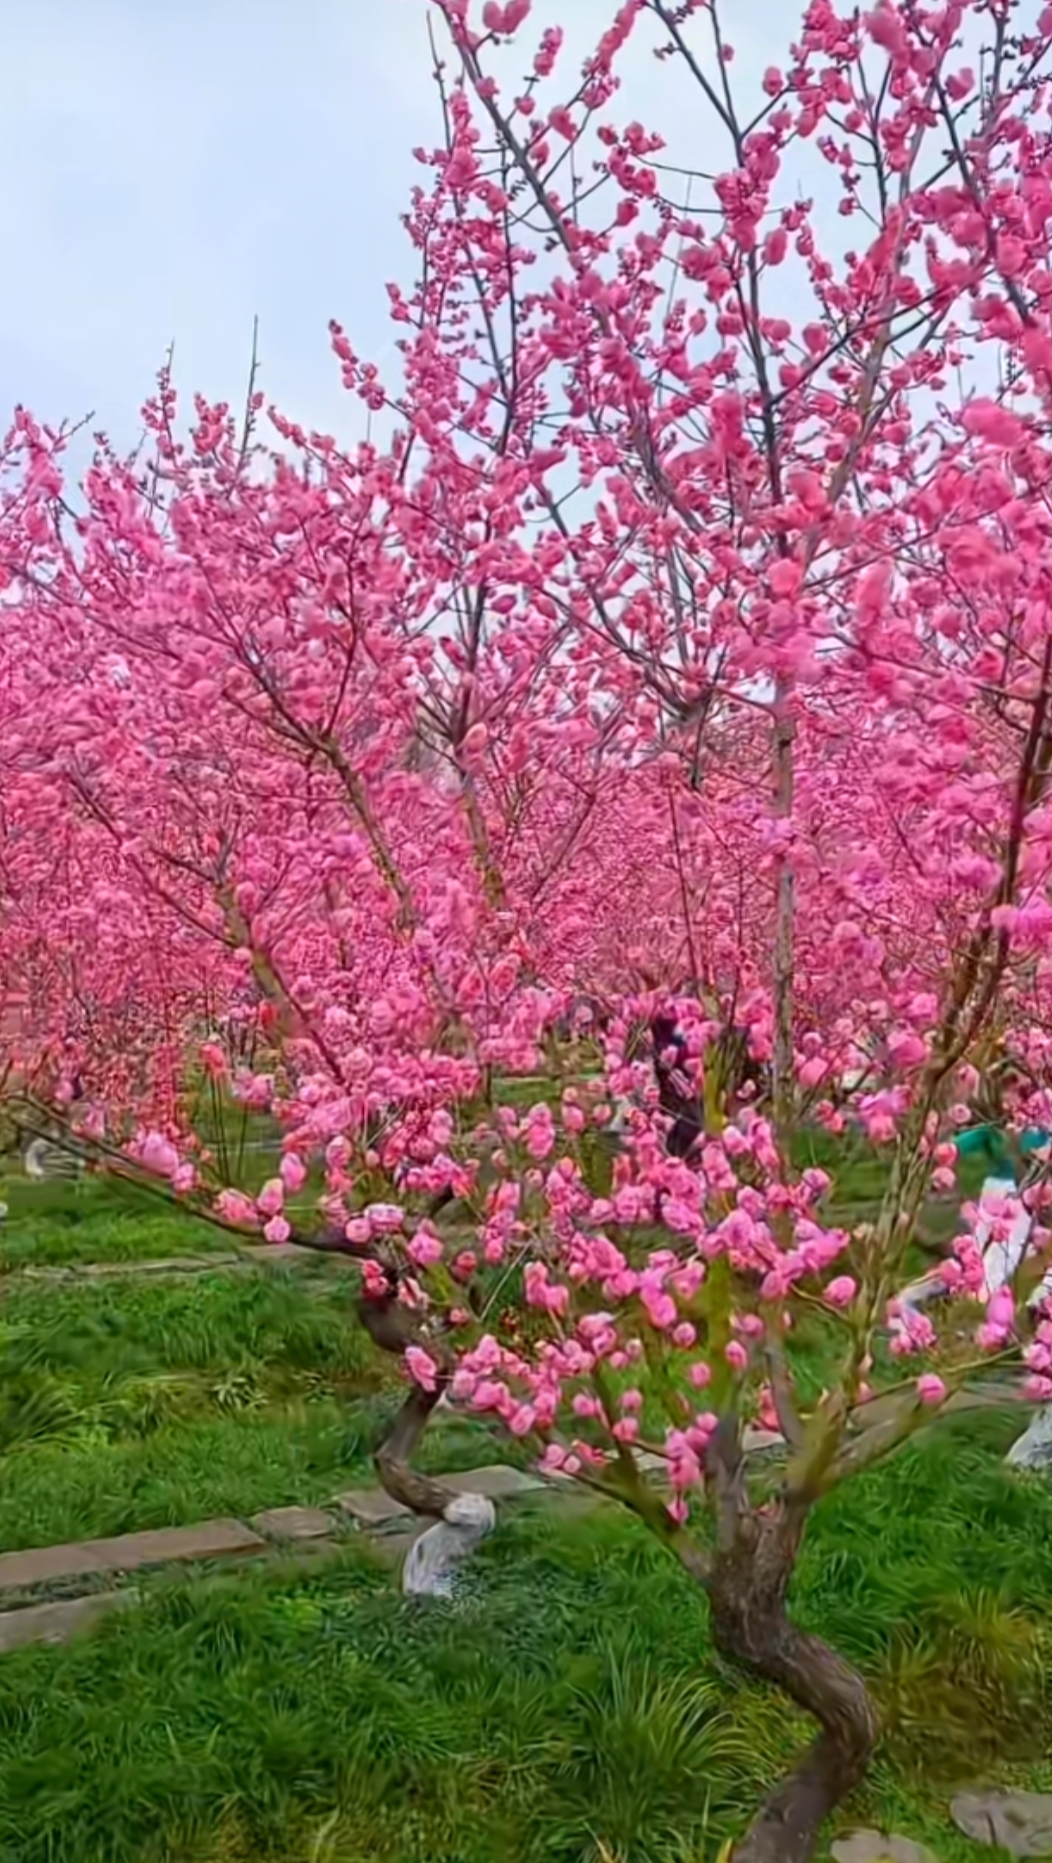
(144, 1403)
(571, 1712)
(135, 1404)
(180, 1473)
(572, 1702)
(275, 1333)
(62, 1224)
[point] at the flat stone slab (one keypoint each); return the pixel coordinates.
(171, 1266)
(371, 1507)
(40, 1565)
(879, 1847)
(393, 1547)
(1020, 1822)
(292, 1523)
(56, 1623)
(277, 1252)
(995, 1394)
(497, 1481)
(755, 1440)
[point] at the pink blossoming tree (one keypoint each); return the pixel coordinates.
(685, 647)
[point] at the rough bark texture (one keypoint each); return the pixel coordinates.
(418, 1492)
(747, 1590)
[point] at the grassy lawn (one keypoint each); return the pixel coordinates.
(142, 1403)
(63, 1224)
(569, 1711)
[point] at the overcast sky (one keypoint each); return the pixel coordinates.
(172, 168)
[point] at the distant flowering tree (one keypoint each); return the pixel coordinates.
(686, 650)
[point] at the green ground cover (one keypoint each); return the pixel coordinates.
(570, 1711)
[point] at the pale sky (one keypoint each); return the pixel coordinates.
(171, 168)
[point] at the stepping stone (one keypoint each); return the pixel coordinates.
(375, 1511)
(277, 1253)
(371, 1508)
(393, 1546)
(1020, 1822)
(168, 1264)
(878, 1847)
(754, 1441)
(292, 1523)
(212, 1539)
(56, 1623)
(497, 1481)
(173, 1265)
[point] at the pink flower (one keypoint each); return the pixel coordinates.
(425, 1249)
(700, 1375)
(271, 1199)
(841, 1291)
(556, 1461)
(421, 1367)
(293, 1172)
(234, 1207)
(277, 1230)
(540, 1133)
(158, 1154)
(540, 1292)
(736, 1355)
(384, 1218)
(930, 1388)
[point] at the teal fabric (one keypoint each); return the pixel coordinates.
(989, 1142)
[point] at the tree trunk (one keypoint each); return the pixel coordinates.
(750, 1625)
(392, 1461)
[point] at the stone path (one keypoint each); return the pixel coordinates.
(29, 1615)
(80, 1571)
(250, 1255)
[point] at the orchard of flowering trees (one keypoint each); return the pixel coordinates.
(684, 646)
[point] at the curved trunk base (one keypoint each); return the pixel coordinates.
(751, 1628)
(787, 1826)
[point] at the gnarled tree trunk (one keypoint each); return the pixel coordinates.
(747, 1591)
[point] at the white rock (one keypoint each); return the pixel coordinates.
(1034, 1448)
(430, 1568)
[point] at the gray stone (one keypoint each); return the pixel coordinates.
(164, 1265)
(392, 1546)
(879, 1847)
(991, 1394)
(755, 1441)
(431, 1568)
(41, 1565)
(56, 1623)
(1020, 1822)
(498, 1481)
(1033, 1449)
(292, 1523)
(371, 1507)
(277, 1254)
(174, 1266)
